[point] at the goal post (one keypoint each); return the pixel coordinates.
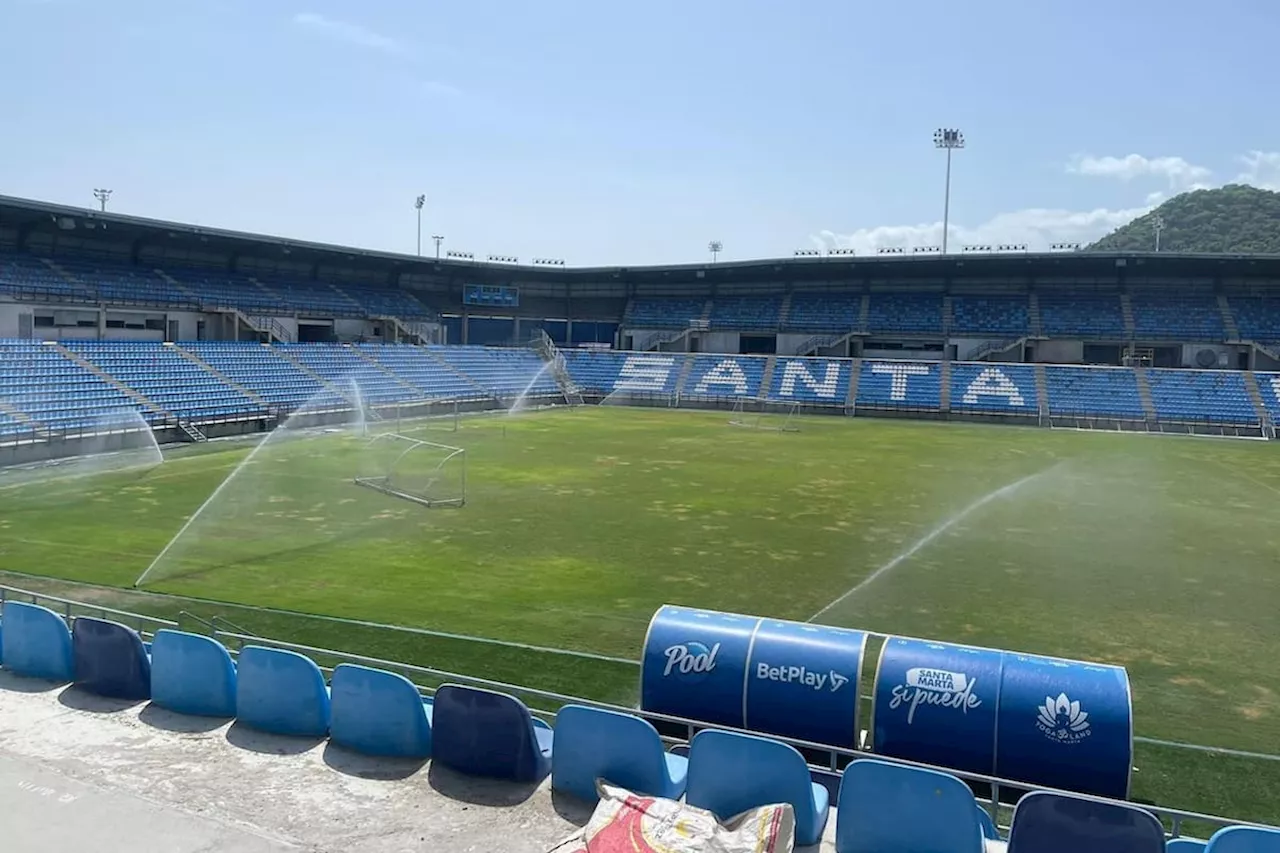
(412, 469)
(772, 415)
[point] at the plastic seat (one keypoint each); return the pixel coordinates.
(1057, 823)
(192, 674)
(36, 642)
(1184, 845)
(1244, 839)
(282, 692)
(110, 659)
(485, 733)
(379, 713)
(730, 773)
(892, 808)
(593, 743)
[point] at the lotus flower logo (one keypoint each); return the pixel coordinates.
(1062, 720)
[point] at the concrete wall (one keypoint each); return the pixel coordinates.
(904, 355)
(1060, 352)
(714, 342)
(790, 344)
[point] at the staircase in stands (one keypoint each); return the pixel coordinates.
(1144, 394)
(855, 373)
(1126, 310)
(1033, 315)
(480, 392)
(1228, 318)
(69, 278)
(1042, 394)
(400, 380)
(864, 312)
(192, 433)
(784, 311)
(206, 366)
(685, 370)
(1255, 395)
(550, 353)
(944, 392)
(766, 380)
(948, 315)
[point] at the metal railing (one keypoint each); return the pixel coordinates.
(69, 609)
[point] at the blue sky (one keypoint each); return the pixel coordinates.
(609, 132)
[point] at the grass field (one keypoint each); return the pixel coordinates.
(1160, 554)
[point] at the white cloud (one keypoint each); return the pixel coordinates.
(1038, 228)
(348, 32)
(1262, 170)
(1181, 174)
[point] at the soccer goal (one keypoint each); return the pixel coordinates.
(412, 469)
(775, 415)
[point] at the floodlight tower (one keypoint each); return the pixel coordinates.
(438, 240)
(950, 139)
(1158, 225)
(715, 247)
(102, 195)
(417, 204)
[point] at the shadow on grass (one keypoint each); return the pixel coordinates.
(171, 721)
(363, 766)
(476, 790)
(244, 737)
(83, 700)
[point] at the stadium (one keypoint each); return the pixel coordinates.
(1021, 493)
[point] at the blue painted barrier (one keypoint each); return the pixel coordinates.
(1065, 724)
(937, 703)
(768, 675)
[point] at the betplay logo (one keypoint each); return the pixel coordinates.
(935, 687)
(690, 658)
(802, 675)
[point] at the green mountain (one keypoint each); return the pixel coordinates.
(1233, 219)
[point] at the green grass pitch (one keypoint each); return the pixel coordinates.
(1161, 554)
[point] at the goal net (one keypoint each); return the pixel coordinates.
(412, 469)
(775, 415)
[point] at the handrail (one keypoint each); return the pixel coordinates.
(7, 591)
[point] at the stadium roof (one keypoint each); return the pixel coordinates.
(27, 216)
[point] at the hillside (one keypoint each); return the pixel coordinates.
(1235, 218)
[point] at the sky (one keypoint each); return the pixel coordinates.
(610, 132)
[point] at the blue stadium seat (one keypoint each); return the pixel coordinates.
(1000, 389)
(730, 773)
(900, 385)
(663, 313)
(905, 313)
(623, 749)
(990, 315)
(192, 674)
(1110, 392)
(1177, 318)
(746, 313)
(893, 808)
(1244, 839)
(37, 643)
(1184, 845)
(379, 713)
(110, 659)
(484, 733)
(638, 373)
(811, 380)
(724, 376)
(1063, 316)
(504, 373)
(1257, 317)
(282, 692)
(830, 313)
(1057, 823)
(1217, 396)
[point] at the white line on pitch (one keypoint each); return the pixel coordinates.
(932, 535)
(1216, 750)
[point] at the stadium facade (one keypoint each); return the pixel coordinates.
(109, 311)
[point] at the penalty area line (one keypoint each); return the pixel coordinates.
(930, 536)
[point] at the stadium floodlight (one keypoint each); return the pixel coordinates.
(925, 250)
(986, 249)
(503, 259)
(715, 247)
(460, 256)
(891, 250)
(417, 204)
(1011, 247)
(808, 253)
(950, 139)
(844, 252)
(102, 195)
(437, 239)
(548, 262)
(1158, 225)
(1064, 247)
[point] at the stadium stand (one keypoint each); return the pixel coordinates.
(502, 373)
(429, 374)
(52, 391)
(260, 369)
(222, 288)
(121, 283)
(990, 315)
(1185, 318)
(1084, 316)
(663, 313)
(178, 386)
(27, 276)
(724, 376)
(1005, 388)
(605, 372)
(833, 313)
(1269, 390)
(900, 385)
(339, 366)
(746, 313)
(905, 313)
(1093, 392)
(1201, 395)
(1257, 317)
(311, 297)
